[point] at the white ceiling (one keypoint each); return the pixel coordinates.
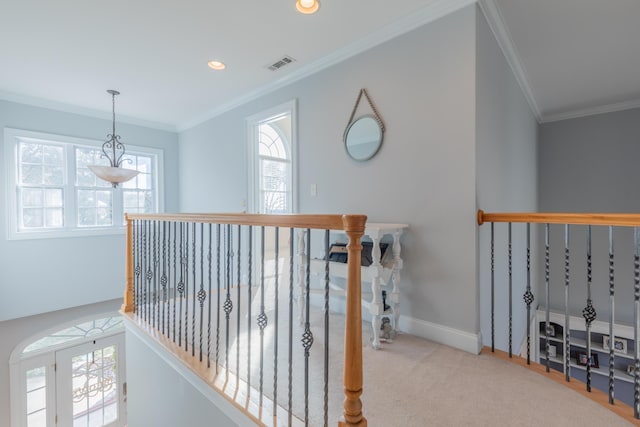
(570, 56)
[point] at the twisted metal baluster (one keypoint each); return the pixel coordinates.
(611, 318)
(138, 258)
(193, 310)
(163, 278)
(528, 295)
(209, 260)
(181, 284)
(218, 230)
(186, 287)
(156, 261)
(290, 371)
(149, 274)
(493, 283)
(307, 336)
(249, 291)
(547, 326)
(636, 321)
(326, 328)
(275, 323)
(202, 294)
(589, 313)
(238, 309)
(228, 305)
(510, 294)
(262, 317)
(567, 344)
(175, 277)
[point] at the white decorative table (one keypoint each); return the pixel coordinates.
(382, 273)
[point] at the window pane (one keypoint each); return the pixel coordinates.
(36, 400)
(37, 419)
(53, 197)
(31, 174)
(53, 155)
(36, 387)
(36, 378)
(54, 217)
(144, 164)
(32, 197)
(86, 198)
(103, 198)
(86, 217)
(53, 175)
(32, 218)
(30, 153)
(103, 216)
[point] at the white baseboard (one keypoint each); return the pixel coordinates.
(463, 340)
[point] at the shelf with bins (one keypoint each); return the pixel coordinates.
(622, 357)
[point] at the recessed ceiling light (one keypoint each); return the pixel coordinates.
(216, 65)
(307, 6)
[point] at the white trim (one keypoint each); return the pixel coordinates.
(591, 111)
(198, 383)
(11, 139)
(88, 112)
(463, 340)
(435, 10)
(503, 37)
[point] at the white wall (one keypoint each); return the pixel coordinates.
(43, 275)
(506, 141)
(590, 164)
(423, 84)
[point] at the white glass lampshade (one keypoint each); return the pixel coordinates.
(113, 175)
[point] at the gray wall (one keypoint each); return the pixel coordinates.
(14, 332)
(506, 154)
(590, 164)
(43, 275)
(423, 84)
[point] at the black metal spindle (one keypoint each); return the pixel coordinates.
(307, 336)
(528, 295)
(136, 256)
(218, 280)
(547, 326)
(326, 328)
(275, 322)
(228, 305)
(186, 287)
(181, 288)
(493, 283)
(238, 289)
(262, 317)
(149, 263)
(290, 360)
(155, 316)
(249, 295)
(612, 317)
(194, 295)
(589, 312)
(567, 343)
(510, 251)
(163, 278)
(175, 277)
(209, 262)
(636, 321)
(202, 294)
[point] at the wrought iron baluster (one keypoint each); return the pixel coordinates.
(307, 336)
(636, 321)
(149, 263)
(528, 295)
(262, 317)
(186, 287)
(218, 279)
(181, 284)
(249, 295)
(290, 360)
(275, 324)
(567, 343)
(611, 319)
(493, 283)
(175, 277)
(194, 296)
(547, 326)
(326, 328)
(155, 316)
(163, 278)
(209, 261)
(228, 305)
(238, 304)
(510, 293)
(589, 312)
(202, 294)
(137, 257)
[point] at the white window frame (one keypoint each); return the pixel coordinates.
(12, 138)
(253, 123)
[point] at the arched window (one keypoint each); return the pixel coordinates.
(274, 170)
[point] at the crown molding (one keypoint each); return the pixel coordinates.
(501, 32)
(436, 9)
(73, 109)
(591, 111)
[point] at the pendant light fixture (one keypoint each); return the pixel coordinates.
(113, 150)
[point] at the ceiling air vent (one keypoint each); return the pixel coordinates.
(285, 60)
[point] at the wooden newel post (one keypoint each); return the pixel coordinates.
(128, 305)
(352, 416)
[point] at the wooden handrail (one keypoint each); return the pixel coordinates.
(616, 219)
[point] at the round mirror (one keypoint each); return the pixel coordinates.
(363, 138)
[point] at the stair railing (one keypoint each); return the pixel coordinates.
(192, 279)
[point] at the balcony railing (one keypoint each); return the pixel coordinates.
(588, 267)
(219, 289)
